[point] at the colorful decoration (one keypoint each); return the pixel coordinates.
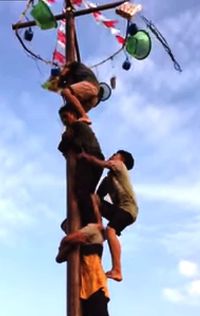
(51, 1)
(59, 52)
(108, 23)
(43, 15)
(137, 42)
(139, 45)
(128, 10)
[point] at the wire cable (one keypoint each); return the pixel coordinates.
(163, 41)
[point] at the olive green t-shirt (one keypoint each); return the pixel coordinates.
(120, 188)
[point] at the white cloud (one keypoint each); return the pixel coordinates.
(188, 268)
(187, 196)
(10, 214)
(183, 240)
(173, 295)
(194, 288)
(185, 293)
(27, 174)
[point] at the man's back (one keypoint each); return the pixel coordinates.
(117, 184)
(79, 72)
(83, 139)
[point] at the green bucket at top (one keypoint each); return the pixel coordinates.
(139, 45)
(43, 16)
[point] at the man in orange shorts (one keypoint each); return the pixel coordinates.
(94, 293)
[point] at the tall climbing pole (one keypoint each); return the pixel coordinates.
(73, 218)
(73, 265)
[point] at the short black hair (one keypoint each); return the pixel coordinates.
(68, 108)
(128, 158)
(63, 109)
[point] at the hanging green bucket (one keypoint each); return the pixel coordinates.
(139, 45)
(43, 16)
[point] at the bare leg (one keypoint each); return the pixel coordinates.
(96, 204)
(115, 250)
(72, 99)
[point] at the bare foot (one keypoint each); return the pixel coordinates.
(62, 255)
(112, 274)
(85, 119)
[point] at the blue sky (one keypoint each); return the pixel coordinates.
(154, 113)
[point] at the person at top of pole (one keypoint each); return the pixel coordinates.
(79, 86)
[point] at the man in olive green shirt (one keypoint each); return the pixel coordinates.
(123, 210)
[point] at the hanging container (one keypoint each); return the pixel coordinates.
(28, 34)
(132, 29)
(43, 16)
(105, 91)
(55, 71)
(139, 45)
(113, 82)
(126, 64)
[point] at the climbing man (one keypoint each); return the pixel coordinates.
(79, 137)
(124, 209)
(80, 87)
(93, 282)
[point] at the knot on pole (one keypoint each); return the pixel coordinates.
(70, 9)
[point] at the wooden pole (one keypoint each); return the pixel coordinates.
(76, 13)
(73, 265)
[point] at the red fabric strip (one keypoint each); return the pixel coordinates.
(58, 57)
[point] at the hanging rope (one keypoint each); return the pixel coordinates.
(23, 14)
(28, 51)
(163, 41)
(111, 57)
(32, 54)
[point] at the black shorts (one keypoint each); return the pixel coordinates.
(117, 217)
(95, 305)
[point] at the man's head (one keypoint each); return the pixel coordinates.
(124, 156)
(67, 115)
